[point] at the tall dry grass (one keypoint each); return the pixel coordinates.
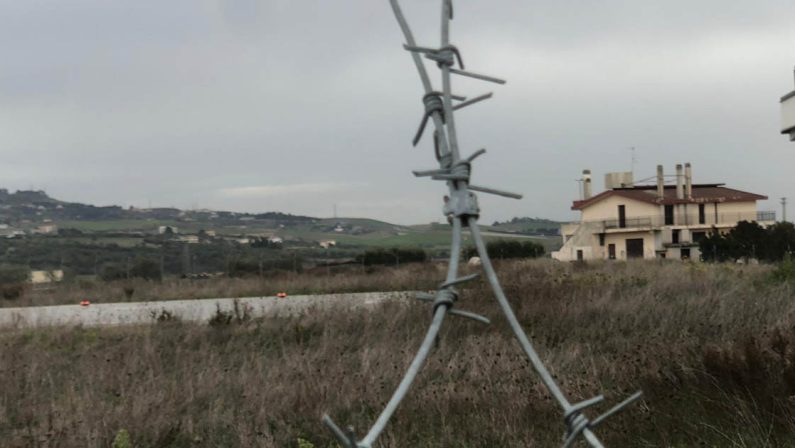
(711, 345)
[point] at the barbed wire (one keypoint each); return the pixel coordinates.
(462, 210)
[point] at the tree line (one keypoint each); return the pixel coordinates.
(749, 240)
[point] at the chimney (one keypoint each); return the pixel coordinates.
(586, 184)
(660, 182)
(680, 190)
(688, 181)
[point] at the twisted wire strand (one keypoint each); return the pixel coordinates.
(462, 210)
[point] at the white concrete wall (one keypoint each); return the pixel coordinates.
(742, 210)
(136, 313)
(620, 240)
(608, 209)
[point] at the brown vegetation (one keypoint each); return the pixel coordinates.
(337, 279)
(712, 346)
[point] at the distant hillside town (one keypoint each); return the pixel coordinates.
(47, 240)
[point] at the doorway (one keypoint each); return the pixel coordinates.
(635, 248)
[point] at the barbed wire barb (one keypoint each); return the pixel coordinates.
(462, 210)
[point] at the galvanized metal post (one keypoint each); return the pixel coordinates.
(462, 210)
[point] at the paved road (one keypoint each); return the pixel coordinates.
(201, 310)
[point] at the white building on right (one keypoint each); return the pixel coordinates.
(654, 220)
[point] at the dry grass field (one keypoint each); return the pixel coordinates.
(712, 346)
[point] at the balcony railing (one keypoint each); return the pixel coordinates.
(690, 219)
(647, 221)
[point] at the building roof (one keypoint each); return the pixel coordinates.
(702, 193)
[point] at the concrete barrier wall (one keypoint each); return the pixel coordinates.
(200, 310)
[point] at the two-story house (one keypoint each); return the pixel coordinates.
(654, 221)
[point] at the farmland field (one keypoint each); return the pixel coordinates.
(710, 345)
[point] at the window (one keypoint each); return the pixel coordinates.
(702, 215)
(579, 255)
(698, 236)
(601, 239)
(685, 253)
(622, 216)
(611, 251)
(675, 236)
(669, 215)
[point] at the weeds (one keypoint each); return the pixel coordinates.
(784, 271)
(712, 347)
(122, 440)
(237, 315)
(164, 316)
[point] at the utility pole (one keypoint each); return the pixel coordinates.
(784, 209)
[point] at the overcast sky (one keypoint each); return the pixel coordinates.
(295, 106)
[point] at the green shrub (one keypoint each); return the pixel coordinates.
(749, 240)
(12, 274)
(504, 249)
(146, 269)
(143, 268)
(303, 443)
(784, 271)
(122, 439)
(13, 279)
(393, 256)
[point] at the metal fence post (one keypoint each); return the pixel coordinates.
(462, 210)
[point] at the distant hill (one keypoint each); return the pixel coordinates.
(33, 206)
(22, 197)
(528, 226)
(27, 208)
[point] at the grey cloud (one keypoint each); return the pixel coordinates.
(175, 101)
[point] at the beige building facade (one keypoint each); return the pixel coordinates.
(654, 221)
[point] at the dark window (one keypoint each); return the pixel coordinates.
(635, 248)
(698, 236)
(686, 253)
(702, 215)
(622, 216)
(675, 236)
(601, 239)
(579, 255)
(611, 251)
(669, 215)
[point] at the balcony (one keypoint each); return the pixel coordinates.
(688, 220)
(630, 223)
